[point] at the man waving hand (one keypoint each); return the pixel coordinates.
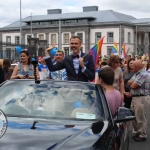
(78, 66)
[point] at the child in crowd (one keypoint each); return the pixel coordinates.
(113, 96)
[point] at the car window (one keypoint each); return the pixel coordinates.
(51, 98)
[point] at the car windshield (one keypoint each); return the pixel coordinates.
(72, 100)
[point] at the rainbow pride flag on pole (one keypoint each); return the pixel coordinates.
(124, 50)
(95, 51)
(115, 48)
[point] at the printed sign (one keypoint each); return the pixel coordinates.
(85, 115)
(3, 123)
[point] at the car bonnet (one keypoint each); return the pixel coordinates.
(40, 134)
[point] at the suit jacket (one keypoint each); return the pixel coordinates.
(67, 63)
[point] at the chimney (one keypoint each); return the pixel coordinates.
(54, 11)
(90, 8)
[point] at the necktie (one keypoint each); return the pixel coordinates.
(77, 56)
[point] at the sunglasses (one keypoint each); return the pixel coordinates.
(24, 50)
(117, 62)
(59, 51)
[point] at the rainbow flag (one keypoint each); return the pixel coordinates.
(95, 51)
(124, 50)
(115, 48)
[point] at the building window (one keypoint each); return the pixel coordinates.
(66, 51)
(66, 38)
(53, 38)
(129, 37)
(110, 37)
(8, 39)
(17, 40)
(142, 39)
(8, 53)
(80, 35)
(109, 50)
(97, 36)
(41, 36)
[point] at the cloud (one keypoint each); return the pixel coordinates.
(10, 10)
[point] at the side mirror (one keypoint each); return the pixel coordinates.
(124, 114)
(97, 127)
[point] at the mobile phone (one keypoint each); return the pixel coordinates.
(26, 75)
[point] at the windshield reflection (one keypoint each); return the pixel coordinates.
(51, 98)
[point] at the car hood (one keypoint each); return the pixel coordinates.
(30, 134)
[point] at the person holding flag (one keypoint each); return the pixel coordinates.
(95, 51)
(79, 66)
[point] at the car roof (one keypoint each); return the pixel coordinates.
(14, 64)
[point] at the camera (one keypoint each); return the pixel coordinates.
(34, 62)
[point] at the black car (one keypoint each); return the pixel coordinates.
(54, 115)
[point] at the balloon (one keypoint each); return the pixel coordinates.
(18, 49)
(78, 105)
(53, 51)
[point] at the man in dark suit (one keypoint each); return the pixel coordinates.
(78, 66)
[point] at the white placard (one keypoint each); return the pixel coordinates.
(82, 115)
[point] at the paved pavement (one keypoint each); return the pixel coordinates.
(141, 145)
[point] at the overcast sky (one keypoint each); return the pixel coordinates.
(10, 9)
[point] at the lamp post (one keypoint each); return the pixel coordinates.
(20, 25)
(31, 25)
(136, 40)
(59, 46)
(120, 44)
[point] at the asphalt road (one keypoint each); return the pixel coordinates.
(141, 145)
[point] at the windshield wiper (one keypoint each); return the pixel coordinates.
(49, 117)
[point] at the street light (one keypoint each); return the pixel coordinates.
(59, 46)
(20, 25)
(31, 25)
(136, 39)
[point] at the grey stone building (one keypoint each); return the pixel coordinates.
(91, 24)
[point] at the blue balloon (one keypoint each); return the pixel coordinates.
(78, 105)
(53, 51)
(18, 49)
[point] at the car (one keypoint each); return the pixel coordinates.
(60, 115)
(13, 65)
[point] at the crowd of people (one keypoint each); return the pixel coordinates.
(132, 80)
(126, 82)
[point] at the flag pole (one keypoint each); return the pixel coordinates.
(85, 54)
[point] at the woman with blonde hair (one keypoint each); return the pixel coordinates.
(129, 72)
(113, 62)
(1, 62)
(8, 70)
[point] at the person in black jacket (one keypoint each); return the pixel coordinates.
(79, 67)
(1, 75)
